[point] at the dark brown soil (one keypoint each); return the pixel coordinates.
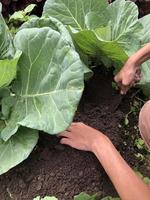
(53, 169)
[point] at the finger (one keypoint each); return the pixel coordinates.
(124, 89)
(126, 82)
(64, 134)
(66, 141)
(72, 126)
(117, 78)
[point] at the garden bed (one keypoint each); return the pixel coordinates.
(45, 86)
(54, 169)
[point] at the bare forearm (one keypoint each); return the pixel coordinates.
(128, 185)
(142, 55)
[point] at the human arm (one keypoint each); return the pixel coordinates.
(131, 73)
(128, 185)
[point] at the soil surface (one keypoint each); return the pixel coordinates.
(54, 169)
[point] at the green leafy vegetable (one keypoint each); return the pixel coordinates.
(115, 39)
(124, 25)
(8, 59)
(112, 38)
(145, 38)
(49, 82)
(77, 14)
(93, 45)
(145, 82)
(145, 33)
(7, 50)
(8, 70)
(17, 148)
(58, 26)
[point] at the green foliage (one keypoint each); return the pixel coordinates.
(77, 14)
(17, 148)
(139, 143)
(91, 44)
(112, 37)
(8, 56)
(46, 90)
(56, 88)
(8, 71)
(22, 15)
(7, 49)
(145, 179)
(84, 196)
(110, 198)
(134, 109)
(145, 36)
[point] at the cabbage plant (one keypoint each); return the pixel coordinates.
(111, 32)
(42, 79)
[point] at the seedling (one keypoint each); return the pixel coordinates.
(22, 15)
(134, 109)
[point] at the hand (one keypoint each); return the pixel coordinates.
(128, 76)
(80, 136)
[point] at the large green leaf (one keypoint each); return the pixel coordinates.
(91, 44)
(8, 60)
(58, 26)
(145, 82)
(49, 22)
(145, 38)
(112, 39)
(6, 45)
(49, 82)
(17, 148)
(79, 14)
(124, 24)
(8, 69)
(145, 34)
(2, 125)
